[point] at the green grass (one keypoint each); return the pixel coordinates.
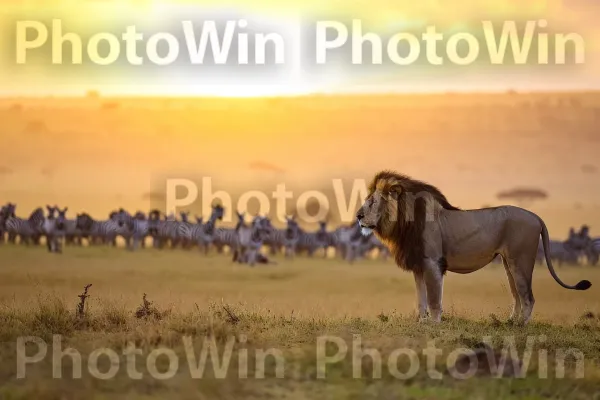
(285, 308)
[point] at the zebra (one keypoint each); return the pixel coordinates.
(336, 237)
(134, 229)
(156, 228)
(364, 245)
(58, 234)
(579, 242)
(312, 241)
(228, 236)
(351, 244)
(126, 230)
(292, 236)
(99, 232)
(250, 241)
(54, 228)
(120, 216)
(3, 217)
(358, 245)
(204, 234)
(163, 231)
(112, 236)
(9, 211)
(583, 244)
(49, 226)
(184, 231)
(28, 230)
(153, 221)
(342, 240)
(275, 241)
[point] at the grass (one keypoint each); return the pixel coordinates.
(169, 300)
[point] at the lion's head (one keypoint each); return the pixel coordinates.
(380, 209)
(396, 209)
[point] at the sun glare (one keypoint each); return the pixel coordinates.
(238, 91)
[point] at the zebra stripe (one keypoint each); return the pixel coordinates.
(312, 241)
(204, 234)
(162, 231)
(166, 233)
(99, 232)
(250, 241)
(275, 241)
(184, 231)
(134, 229)
(28, 230)
(291, 237)
(225, 237)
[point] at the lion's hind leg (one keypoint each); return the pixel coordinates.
(516, 312)
(521, 269)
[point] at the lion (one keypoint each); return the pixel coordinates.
(428, 236)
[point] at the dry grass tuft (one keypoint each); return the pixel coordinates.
(80, 312)
(147, 310)
(231, 317)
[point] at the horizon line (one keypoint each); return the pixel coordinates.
(99, 95)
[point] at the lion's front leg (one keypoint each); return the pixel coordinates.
(434, 282)
(421, 295)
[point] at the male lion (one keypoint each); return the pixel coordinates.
(428, 236)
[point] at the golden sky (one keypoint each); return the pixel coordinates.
(87, 17)
(95, 154)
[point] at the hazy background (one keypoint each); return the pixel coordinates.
(97, 154)
(116, 145)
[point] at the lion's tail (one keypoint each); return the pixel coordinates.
(581, 285)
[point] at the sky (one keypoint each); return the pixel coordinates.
(296, 22)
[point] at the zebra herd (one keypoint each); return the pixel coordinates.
(245, 242)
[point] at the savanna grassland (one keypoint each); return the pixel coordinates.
(286, 307)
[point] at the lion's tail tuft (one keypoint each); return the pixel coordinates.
(583, 285)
